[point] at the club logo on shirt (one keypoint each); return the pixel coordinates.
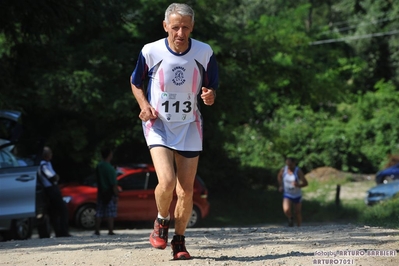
(179, 76)
(164, 95)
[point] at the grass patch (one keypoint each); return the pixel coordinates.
(259, 206)
(385, 214)
(245, 209)
(320, 211)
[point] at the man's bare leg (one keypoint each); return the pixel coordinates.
(186, 171)
(163, 161)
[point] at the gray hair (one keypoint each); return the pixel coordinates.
(181, 9)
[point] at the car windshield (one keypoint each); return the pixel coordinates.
(19, 154)
(10, 129)
(91, 180)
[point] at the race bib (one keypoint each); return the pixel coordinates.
(289, 186)
(176, 106)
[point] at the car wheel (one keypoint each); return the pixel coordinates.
(195, 217)
(44, 227)
(85, 216)
(21, 229)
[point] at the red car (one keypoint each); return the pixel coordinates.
(136, 198)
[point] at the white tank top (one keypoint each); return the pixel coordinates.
(288, 182)
(175, 82)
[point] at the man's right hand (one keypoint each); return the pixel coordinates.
(148, 113)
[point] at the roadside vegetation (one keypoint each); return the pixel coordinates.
(263, 206)
(316, 80)
(385, 214)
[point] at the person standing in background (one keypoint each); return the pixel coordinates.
(291, 179)
(49, 179)
(107, 192)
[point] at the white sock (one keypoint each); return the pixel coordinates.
(167, 218)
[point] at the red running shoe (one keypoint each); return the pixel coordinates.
(179, 248)
(159, 237)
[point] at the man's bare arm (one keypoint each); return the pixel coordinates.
(147, 111)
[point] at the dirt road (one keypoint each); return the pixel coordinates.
(258, 245)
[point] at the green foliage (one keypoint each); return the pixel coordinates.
(248, 208)
(353, 136)
(66, 64)
(384, 214)
(264, 206)
(375, 121)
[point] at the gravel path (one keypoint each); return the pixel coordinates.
(258, 245)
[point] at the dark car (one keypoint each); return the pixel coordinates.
(22, 203)
(136, 198)
(382, 192)
(388, 174)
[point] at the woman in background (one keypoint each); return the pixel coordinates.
(291, 179)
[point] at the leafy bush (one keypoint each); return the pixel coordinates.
(383, 214)
(354, 136)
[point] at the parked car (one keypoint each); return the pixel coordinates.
(136, 198)
(382, 192)
(388, 174)
(22, 203)
(10, 128)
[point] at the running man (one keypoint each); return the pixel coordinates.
(181, 72)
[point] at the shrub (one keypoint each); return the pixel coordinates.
(383, 214)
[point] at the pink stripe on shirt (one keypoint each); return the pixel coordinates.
(161, 80)
(195, 78)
